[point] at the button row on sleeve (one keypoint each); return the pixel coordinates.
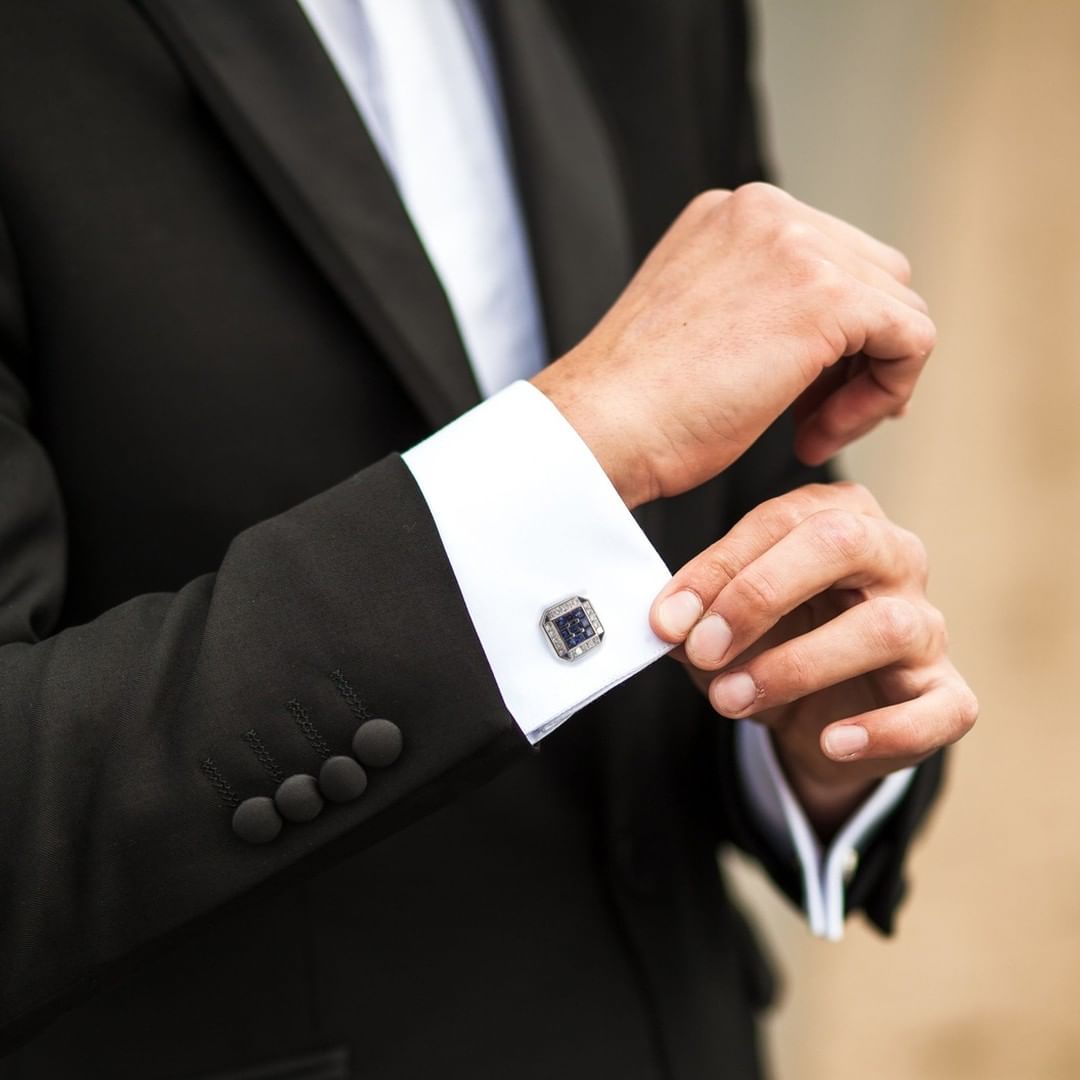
(376, 744)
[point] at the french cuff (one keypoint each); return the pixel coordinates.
(825, 872)
(531, 523)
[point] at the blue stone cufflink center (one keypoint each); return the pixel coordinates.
(572, 628)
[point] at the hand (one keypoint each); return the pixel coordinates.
(814, 605)
(746, 304)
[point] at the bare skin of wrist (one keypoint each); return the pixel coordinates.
(629, 475)
(826, 803)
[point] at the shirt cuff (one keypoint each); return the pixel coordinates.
(825, 872)
(529, 519)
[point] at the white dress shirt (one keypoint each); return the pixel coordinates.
(524, 511)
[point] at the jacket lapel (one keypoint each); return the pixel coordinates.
(573, 199)
(263, 73)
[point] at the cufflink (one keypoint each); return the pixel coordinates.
(572, 628)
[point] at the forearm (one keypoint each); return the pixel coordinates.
(128, 741)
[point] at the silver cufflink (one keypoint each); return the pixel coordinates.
(572, 627)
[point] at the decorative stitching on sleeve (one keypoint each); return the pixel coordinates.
(251, 737)
(219, 783)
(352, 699)
(303, 722)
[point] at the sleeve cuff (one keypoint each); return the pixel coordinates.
(825, 872)
(528, 519)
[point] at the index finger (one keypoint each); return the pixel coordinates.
(683, 601)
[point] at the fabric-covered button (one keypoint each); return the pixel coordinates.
(298, 798)
(341, 780)
(377, 743)
(256, 821)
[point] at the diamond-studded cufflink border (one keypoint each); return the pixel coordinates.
(572, 628)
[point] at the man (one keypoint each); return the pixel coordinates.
(269, 689)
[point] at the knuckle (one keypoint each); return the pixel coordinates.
(785, 512)
(794, 239)
(822, 274)
(790, 513)
(925, 336)
(938, 630)
(831, 284)
(965, 711)
(720, 566)
(916, 555)
(842, 533)
(792, 668)
(758, 206)
(803, 263)
(900, 320)
(856, 493)
(758, 195)
(901, 265)
(755, 592)
(897, 623)
(817, 498)
(708, 202)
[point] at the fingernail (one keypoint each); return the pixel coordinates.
(846, 741)
(678, 613)
(733, 693)
(709, 640)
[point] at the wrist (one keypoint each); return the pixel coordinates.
(828, 801)
(587, 412)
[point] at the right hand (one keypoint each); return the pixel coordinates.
(745, 306)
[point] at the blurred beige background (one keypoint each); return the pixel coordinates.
(952, 128)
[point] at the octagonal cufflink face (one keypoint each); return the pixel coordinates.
(572, 628)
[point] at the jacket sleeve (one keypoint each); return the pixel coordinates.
(131, 746)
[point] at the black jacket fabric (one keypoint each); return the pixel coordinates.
(216, 331)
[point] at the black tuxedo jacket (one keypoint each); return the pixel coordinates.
(216, 329)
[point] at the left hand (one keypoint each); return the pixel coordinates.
(815, 606)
